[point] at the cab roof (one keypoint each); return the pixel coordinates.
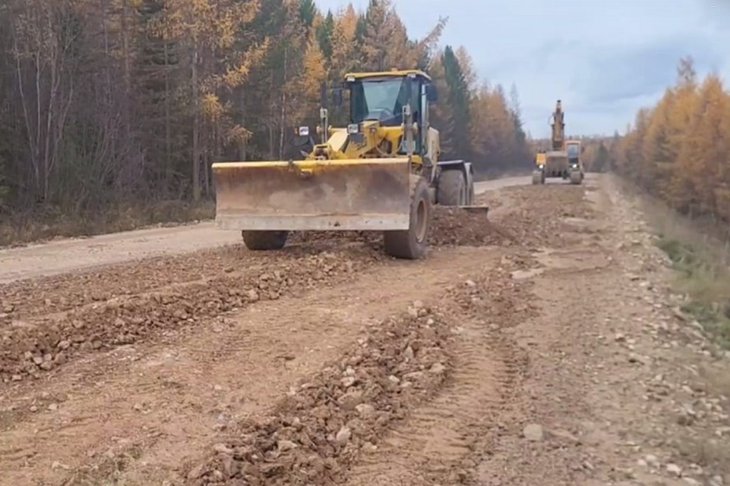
(389, 74)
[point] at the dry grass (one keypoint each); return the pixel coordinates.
(700, 252)
(53, 223)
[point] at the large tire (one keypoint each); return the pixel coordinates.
(576, 177)
(537, 177)
(264, 240)
(411, 244)
(452, 190)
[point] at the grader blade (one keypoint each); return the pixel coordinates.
(311, 195)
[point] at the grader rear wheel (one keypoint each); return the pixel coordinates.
(411, 244)
(452, 190)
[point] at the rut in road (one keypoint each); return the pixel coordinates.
(440, 378)
(437, 441)
(139, 412)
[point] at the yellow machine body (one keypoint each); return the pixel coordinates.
(540, 159)
(344, 194)
(358, 179)
(564, 157)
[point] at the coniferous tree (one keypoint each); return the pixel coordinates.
(118, 102)
(459, 100)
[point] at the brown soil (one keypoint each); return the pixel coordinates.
(538, 346)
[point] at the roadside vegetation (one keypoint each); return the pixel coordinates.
(678, 153)
(679, 150)
(52, 222)
(705, 281)
(700, 255)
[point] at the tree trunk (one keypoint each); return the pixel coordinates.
(127, 71)
(168, 141)
(282, 114)
(243, 146)
(196, 126)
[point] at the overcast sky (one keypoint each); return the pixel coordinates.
(604, 59)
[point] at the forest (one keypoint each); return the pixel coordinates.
(679, 150)
(117, 105)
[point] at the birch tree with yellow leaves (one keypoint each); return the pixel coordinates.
(207, 31)
(679, 150)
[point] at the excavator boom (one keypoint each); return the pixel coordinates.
(558, 128)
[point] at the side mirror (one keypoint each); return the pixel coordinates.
(431, 93)
(337, 97)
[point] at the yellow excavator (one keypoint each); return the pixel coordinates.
(379, 173)
(564, 158)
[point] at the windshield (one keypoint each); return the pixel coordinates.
(381, 100)
(573, 151)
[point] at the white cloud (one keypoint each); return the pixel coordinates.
(605, 59)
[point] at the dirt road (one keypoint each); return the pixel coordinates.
(540, 347)
(77, 254)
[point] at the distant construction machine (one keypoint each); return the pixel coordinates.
(379, 173)
(564, 158)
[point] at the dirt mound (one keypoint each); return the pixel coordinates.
(324, 424)
(34, 297)
(460, 227)
(31, 347)
(449, 227)
(523, 218)
(64, 292)
(370, 238)
(536, 215)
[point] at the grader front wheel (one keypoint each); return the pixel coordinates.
(264, 240)
(411, 244)
(576, 177)
(452, 190)
(538, 177)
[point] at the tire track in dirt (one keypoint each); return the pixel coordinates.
(137, 412)
(437, 438)
(438, 369)
(436, 442)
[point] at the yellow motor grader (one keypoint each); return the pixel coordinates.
(379, 173)
(564, 160)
